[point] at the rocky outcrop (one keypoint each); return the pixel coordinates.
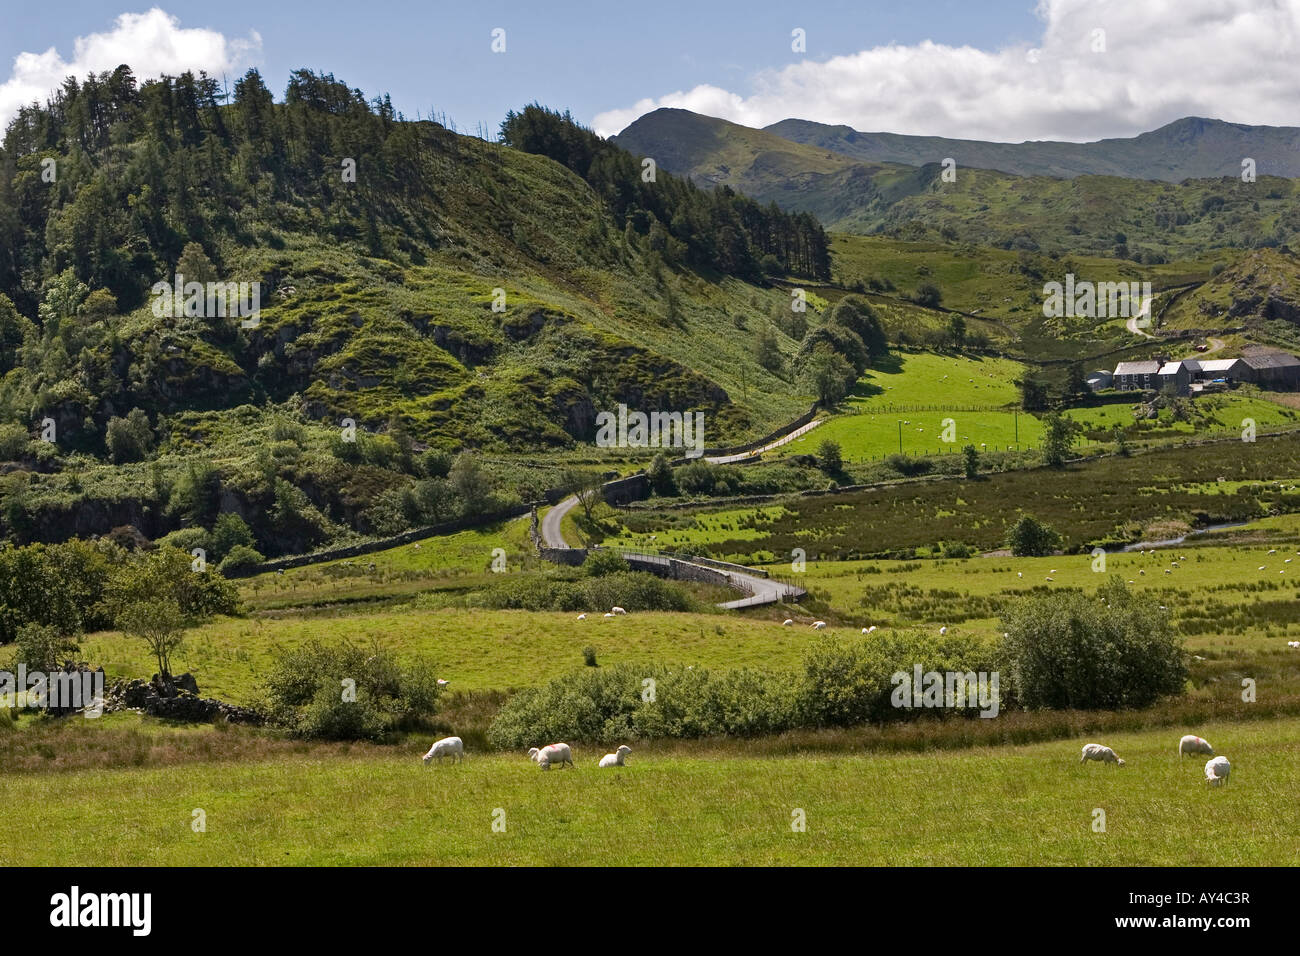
(176, 698)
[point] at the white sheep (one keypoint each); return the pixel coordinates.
(551, 753)
(452, 747)
(1191, 744)
(609, 614)
(616, 759)
(1098, 752)
(1216, 771)
(1293, 643)
(818, 625)
(787, 622)
(582, 617)
(617, 610)
(943, 631)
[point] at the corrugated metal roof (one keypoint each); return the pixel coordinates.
(1218, 365)
(1270, 359)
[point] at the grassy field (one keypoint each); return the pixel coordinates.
(1010, 805)
(475, 649)
(915, 388)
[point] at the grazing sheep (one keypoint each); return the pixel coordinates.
(1260, 568)
(608, 614)
(551, 753)
(1191, 744)
(787, 622)
(1098, 752)
(818, 625)
(1273, 551)
(1293, 643)
(452, 747)
(616, 759)
(1216, 771)
(443, 682)
(582, 617)
(617, 610)
(942, 631)
(1020, 574)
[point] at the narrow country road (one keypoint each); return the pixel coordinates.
(551, 533)
(798, 432)
(761, 590)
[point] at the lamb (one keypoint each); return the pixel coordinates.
(1191, 744)
(551, 753)
(1216, 771)
(818, 625)
(452, 747)
(617, 610)
(616, 759)
(1098, 752)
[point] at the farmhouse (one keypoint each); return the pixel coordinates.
(1271, 368)
(1135, 375)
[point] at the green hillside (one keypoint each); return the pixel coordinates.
(1123, 218)
(442, 292)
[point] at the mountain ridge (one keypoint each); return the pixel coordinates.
(1204, 148)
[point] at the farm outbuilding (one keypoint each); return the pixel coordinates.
(1271, 367)
(1099, 379)
(1230, 370)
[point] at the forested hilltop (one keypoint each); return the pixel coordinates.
(464, 302)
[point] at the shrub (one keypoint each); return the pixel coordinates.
(229, 532)
(42, 648)
(602, 562)
(615, 703)
(348, 692)
(241, 557)
(1030, 538)
(1069, 650)
(696, 478)
(13, 442)
(829, 457)
(957, 549)
(187, 539)
(847, 684)
(589, 656)
(660, 474)
(909, 467)
(129, 439)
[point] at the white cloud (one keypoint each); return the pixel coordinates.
(152, 44)
(1164, 59)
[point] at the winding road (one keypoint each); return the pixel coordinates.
(761, 590)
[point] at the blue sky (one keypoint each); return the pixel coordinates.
(1007, 69)
(587, 57)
